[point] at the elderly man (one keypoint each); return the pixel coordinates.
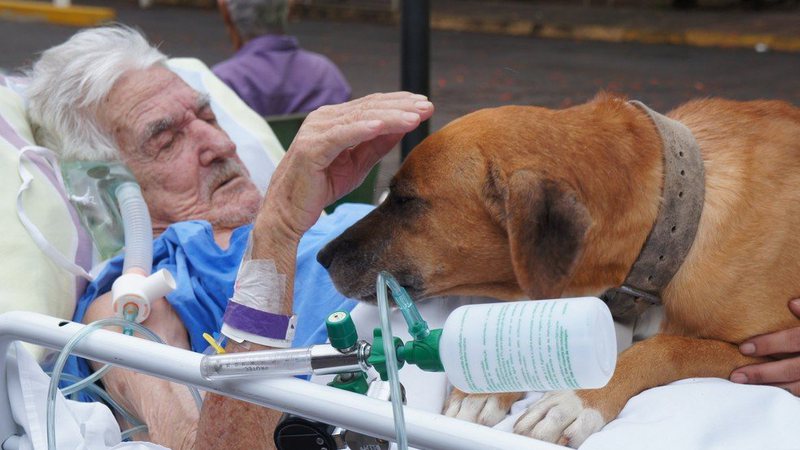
(270, 71)
(106, 94)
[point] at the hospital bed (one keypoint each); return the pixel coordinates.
(346, 409)
(691, 414)
(696, 413)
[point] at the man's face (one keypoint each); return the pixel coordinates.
(169, 138)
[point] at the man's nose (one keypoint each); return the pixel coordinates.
(213, 142)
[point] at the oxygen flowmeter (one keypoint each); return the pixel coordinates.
(496, 347)
(293, 432)
(346, 356)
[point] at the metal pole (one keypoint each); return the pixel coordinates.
(415, 60)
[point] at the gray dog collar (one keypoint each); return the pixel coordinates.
(675, 227)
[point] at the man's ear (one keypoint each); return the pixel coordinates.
(547, 226)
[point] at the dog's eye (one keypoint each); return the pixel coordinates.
(400, 200)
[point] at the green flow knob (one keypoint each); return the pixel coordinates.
(351, 381)
(341, 330)
(377, 358)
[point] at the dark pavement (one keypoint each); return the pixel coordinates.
(477, 70)
(715, 23)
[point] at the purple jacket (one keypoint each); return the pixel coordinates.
(274, 76)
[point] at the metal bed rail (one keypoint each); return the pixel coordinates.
(341, 408)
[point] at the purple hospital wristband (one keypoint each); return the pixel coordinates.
(261, 323)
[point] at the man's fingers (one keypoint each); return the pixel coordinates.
(386, 96)
(784, 341)
(373, 152)
(366, 109)
(393, 113)
(774, 372)
(793, 388)
(794, 305)
(336, 140)
(325, 147)
(394, 120)
(381, 101)
(328, 131)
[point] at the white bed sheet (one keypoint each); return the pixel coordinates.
(79, 425)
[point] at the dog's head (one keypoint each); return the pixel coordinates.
(485, 206)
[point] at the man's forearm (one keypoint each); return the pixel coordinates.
(333, 151)
(275, 243)
(234, 424)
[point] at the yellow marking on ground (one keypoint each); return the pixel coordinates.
(81, 16)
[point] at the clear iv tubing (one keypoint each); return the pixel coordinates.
(99, 394)
(131, 431)
(86, 382)
(384, 279)
(62, 360)
(417, 327)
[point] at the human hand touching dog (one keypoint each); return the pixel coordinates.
(333, 152)
(784, 373)
(330, 156)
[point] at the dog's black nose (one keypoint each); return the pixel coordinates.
(325, 256)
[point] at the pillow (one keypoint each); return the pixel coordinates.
(30, 280)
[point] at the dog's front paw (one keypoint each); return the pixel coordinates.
(485, 409)
(560, 417)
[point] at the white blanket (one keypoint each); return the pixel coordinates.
(79, 426)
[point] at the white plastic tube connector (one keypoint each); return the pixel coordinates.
(140, 291)
(134, 287)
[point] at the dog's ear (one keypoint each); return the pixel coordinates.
(547, 226)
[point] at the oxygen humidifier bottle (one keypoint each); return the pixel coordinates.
(537, 345)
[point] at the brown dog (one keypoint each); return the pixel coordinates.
(525, 202)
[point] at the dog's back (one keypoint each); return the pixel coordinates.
(744, 265)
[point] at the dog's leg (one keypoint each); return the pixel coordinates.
(485, 409)
(569, 417)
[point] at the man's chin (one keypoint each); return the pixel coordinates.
(236, 204)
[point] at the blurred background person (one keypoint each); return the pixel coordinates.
(270, 71)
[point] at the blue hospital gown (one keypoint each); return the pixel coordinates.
(205, 274)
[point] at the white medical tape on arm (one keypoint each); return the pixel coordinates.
(260, 286)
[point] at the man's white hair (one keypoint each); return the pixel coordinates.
(70, 80)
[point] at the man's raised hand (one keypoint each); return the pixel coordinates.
(333, 152)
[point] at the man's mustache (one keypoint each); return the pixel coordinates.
(223, 171)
